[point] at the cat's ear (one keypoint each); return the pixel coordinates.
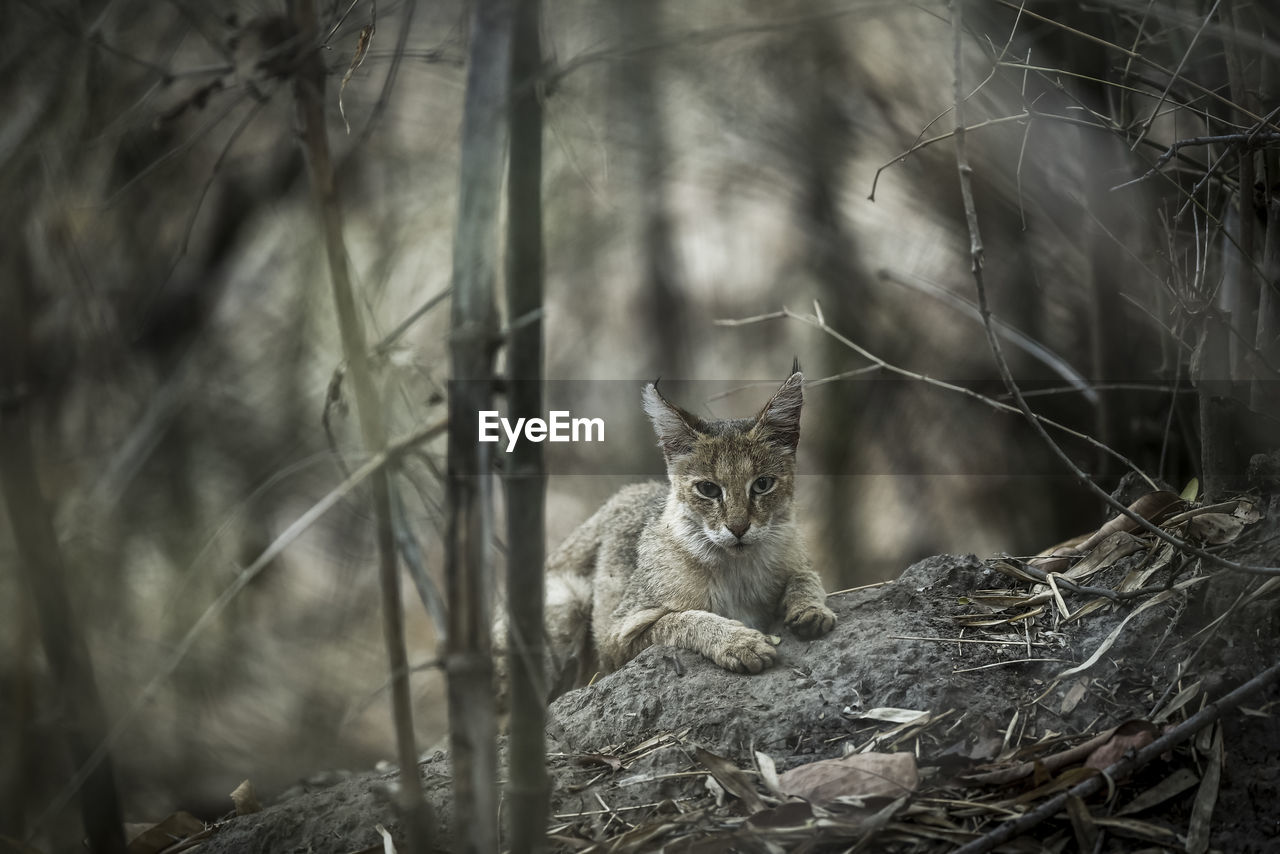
(779, 421)
(677, 430)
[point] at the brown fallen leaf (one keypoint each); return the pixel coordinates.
(1074, 695)
(861, 775)
(732, 778)
(1214, 529)
(1131, 735)
(1105, 553)
(1022, 770)
(1247, 511)
(1155, 507)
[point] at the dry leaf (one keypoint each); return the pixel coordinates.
(1110, 639)
(245, 799)
(890, 715)
(1074, 695)
(1154, 507)
(769, 773)
(1129, 736)
(1082, 824)
(1214, 529)
(1113, 547)
(1183, 697)
(388, 844)
(1247, 511)
(732, 778)
(717, 791)
(1053, 762)
(862, 775)
(1175, 784)
(1206, 796)
(1136, 578)
(1064, 781)
(1135, 829)
(362, 49)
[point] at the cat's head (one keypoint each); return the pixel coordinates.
(733, 479)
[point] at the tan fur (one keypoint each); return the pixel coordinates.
(664, 564)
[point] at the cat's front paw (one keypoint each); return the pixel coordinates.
(745, 651)
(812, 620)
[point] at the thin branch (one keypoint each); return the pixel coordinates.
(308, 91)
(1013, 335)
(1132, 54)
(819, 324)
(997, 352)
(1124, 767)
(1186, 54)
(389, 340)
(1247, 140)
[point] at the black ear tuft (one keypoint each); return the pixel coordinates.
(677, 430)
(795, 364)
(779, 420)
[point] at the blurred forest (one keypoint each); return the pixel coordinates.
(171, 375)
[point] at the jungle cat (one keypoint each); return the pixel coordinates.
(708, 561)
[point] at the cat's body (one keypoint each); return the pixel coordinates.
(708, 561)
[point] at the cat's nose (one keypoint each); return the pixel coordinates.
(739, 530)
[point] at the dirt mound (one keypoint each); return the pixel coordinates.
(989, 681)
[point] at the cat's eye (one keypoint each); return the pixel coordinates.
(707, 489)
(763, 484)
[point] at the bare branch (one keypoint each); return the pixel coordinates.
(1123, 768)
(993, 341)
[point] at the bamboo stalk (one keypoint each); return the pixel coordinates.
(528, 791)
(308, 89)
(474, 338)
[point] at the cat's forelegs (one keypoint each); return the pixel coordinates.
(804, 605)
(728, 643)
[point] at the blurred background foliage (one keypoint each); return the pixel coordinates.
(172, 343)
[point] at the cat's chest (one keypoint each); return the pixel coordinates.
(747, 591)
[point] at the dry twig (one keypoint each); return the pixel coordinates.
(976, 254)
(1125, 767)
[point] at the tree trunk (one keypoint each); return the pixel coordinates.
(645, 156)
(527, 786)
(468, 552)
(80, 710)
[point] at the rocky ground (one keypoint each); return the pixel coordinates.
(962, 694)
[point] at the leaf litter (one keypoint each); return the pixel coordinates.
(794, 760)
(878, 790)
